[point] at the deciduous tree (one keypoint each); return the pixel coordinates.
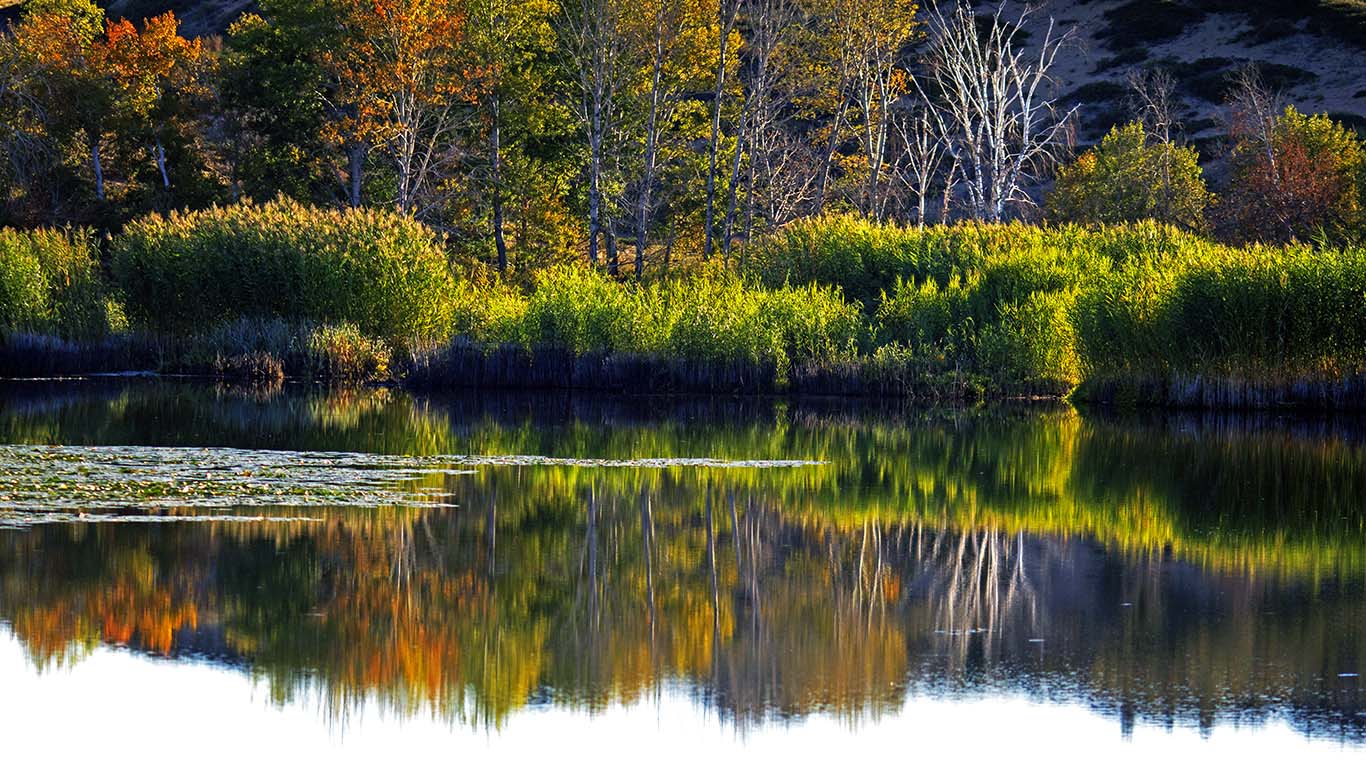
(401, 83)
(1132, 176)
(993, 104)
(1301, 177)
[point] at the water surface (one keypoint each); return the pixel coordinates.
(351, 576)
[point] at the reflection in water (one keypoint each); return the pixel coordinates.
(1184, 572)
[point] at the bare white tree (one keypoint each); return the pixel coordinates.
(595, 44)
(994, 108)
(768, 23)
(1252, 110)
(923, 153)
(1156, 105)
(1155, 102)
(882, 28)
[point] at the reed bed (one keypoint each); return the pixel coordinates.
(1137, 313)
(384, 273)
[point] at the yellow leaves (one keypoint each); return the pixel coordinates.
(396, 51)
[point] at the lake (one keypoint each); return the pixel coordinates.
(220, 575)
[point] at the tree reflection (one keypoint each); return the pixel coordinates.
(1043, 552)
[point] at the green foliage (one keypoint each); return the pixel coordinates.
(1043, 309)
(1128, 178)
(1259, 314)
(925, 313)
(575, 308)
(274, 96)
(712, 317)
(1033, 344)
(50, 283)
(863, 258)
(386, 274)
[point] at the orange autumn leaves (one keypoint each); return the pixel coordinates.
(393, 49)
(110, 82)
(403, 79)
(149, 64)
(133, 70)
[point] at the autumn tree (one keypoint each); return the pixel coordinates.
(829, 36)
(1128, 177)
(508, 43)
(780, 172)
(23, 156)
(401, 87)
(768, 27)
(68, 83)
(595, 42)
(160, 90)
(1294, 177)
(669, 53)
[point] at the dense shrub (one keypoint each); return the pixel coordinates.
(50, 283)
(1128, 178)
(575, 308)
(1305, 181)
(386, 274)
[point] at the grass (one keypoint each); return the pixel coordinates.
(575, 326)
(50, 282)
(385, 274)
(1253, 326)
(835, 305)
(1139, 312)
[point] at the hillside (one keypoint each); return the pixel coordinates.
(1312, 52)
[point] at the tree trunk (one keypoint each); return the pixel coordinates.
(949, 182)
(356, 157)
(496, 170)
(717, 95)
(728, 228)
(98, 168)
(610, 237)
(824, 178)
(648, 177)
(594, 176)
(161, 164)
(877, 146)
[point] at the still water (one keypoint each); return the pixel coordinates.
(194, 572)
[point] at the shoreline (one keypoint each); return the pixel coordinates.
(505, 369)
